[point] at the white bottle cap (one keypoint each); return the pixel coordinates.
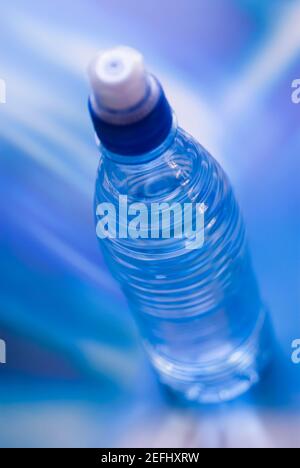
(118, 78)
(120, 82)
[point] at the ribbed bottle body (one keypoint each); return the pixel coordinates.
(199, 310)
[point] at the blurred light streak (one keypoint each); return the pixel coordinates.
(39, 153)
(74, 258)
(272, 59)
(76, 52)
(120, 364)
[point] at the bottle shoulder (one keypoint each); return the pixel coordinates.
(183, 172)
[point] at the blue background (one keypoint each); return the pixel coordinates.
(76, 374)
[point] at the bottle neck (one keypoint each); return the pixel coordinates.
(139, 137)
(151, 176)
(143, 158)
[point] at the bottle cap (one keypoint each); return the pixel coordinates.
(118, 78)
(128, 107)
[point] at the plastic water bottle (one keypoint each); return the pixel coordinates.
(197, 305)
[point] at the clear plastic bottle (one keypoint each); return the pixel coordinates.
(199, 311)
